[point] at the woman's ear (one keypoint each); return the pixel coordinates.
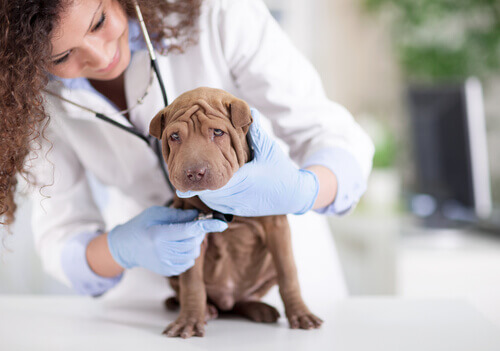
(158, 124)
(240, 113)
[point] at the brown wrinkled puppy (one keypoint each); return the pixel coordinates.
(203, 135)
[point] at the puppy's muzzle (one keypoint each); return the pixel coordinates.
(196, 173)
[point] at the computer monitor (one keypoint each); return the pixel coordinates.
(450, 149)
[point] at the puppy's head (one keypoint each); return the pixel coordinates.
(203, 134)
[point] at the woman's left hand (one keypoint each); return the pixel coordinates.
(270, 184)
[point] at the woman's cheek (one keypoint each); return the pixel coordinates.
(67, 70)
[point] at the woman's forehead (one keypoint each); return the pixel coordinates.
(74, 22)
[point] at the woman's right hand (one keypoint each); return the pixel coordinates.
(161, 239)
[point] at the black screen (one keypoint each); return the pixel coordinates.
(441, 144)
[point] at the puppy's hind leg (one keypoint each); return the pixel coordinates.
(256, 311)
(279, 244)
(172, 303)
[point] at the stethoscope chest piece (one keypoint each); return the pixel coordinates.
(228, 218)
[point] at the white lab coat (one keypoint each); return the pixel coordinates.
(240, 49)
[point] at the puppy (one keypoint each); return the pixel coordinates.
(203, 134)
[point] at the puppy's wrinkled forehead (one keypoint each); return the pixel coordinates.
(199, 111)
(208, 107)
(214, 103)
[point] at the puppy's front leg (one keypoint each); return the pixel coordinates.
(193, 300)
(279, 244)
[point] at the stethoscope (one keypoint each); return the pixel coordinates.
(151, 141)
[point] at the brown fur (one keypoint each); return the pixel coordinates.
(239, 266)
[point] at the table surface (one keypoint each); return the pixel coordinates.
(386, 324)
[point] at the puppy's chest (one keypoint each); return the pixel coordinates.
(238, 257)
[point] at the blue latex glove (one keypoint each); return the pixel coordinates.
(270, 184)
(161, 239)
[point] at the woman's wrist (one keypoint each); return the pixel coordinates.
(327, 186)
(99, 258)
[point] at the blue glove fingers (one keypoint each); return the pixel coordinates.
(174, 268)
(193, 253)
(182, 258)
(221, 193)
(190, 193)
(161, 214)
(185, 246)
(182, 216)
(261, 142)
(114, 246)
(172, 261)
(213, 225)
(182, 231)
(255, 115)
(178, 253)
(225, 199)
(173, 258)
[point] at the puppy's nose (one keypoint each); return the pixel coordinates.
(195, 174)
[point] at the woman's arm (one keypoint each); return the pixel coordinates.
(274, 77)
(99, 258)
(327, 186)
(65, 217)
(161, 239)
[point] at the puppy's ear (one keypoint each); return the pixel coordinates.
(240, 113)
(158, 124)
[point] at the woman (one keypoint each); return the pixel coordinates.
(60, 55)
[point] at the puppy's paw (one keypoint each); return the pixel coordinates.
(187, 326)
(303, 319)
(172, 304)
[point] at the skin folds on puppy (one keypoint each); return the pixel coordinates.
(203, 138)
(203, 135)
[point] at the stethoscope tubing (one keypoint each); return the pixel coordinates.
(151, 51)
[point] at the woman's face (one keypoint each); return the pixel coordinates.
(91, 41)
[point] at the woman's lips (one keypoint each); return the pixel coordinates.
(113, 63)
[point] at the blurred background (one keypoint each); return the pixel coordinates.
(423, 79)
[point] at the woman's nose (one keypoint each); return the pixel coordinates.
(97, 55)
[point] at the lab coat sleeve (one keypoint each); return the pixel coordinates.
(65, 217)
(273, 76)
(76, 269)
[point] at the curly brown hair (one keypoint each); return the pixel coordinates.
(25, 31)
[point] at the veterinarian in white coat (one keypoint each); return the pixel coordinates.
(240, 49)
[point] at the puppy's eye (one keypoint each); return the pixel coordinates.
(218, 132)
(175, 137)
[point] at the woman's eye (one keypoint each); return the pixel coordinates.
(100, 23)
(62, 59)
(218, 132)
(174, 137)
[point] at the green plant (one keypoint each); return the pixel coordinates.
(385, 151)
(440, 40)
